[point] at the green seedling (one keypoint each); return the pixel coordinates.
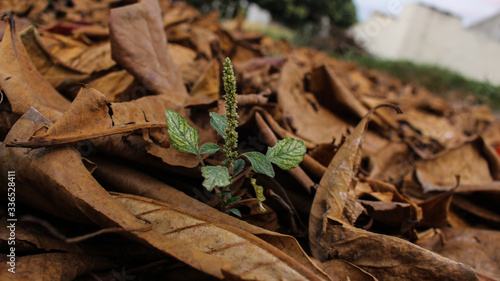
(286, 153)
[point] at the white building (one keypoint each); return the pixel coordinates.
(256, 14)
(425, 35)
(489, 27)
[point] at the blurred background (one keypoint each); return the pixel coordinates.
(451, 47)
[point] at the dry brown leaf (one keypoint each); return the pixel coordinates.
(200, 38)
(76, 54)
(475, 247)
(176, 12)
(139, 45)
(390, 258)
(118, 86)
(52, 266)
(466, 161)
(333, 190)
(331, 92)
(106, 130)
(340, 270)
(385, 187)
(393, 161)
(55, 72)
(313, 122)
(433, 127)
(208, 83)
(29, 242)
(392, 214)
(435, 210)
(22, 84)
(87, 117)
(211, 239)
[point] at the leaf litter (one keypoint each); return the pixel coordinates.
(83, 125)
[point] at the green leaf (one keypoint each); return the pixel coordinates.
(234, 211)
(226, 192)
(259, 193)
(238, 166)
(209, 148)
(219, 123)
(233, 200)
(215, 176)
(287, 153)
(260, 163)
(183, 137)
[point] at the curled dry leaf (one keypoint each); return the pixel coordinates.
(332, 91)
(312, 121)
(88, 117)
(390, 258)
(55, 72)
(143, 50)
(333, 191)
(22, 84)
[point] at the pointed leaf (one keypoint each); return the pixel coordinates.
(227, 193)
(238, 166)
(233, 200)
(287, 153)
(215, 176)
(234, 211)
(259, 193)
(209, 148)
(183, 137)
(260, 163)
(333, 194)
(219, 123)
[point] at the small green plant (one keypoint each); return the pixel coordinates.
(286, 153)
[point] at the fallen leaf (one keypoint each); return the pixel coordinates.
(209, 240)
(73, 126)
(474, 247)
(435, 210)
(390, 258)
(54, 266)
(333, 190)
(313, 122)
(22, 84)
(208, 83)
(343, 270)
(466, 161)
(55, 72)
(118, 86)
(143, 51)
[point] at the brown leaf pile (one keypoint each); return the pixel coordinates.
(101, 195)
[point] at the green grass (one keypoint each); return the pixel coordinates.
(273, 30)
(436, 79)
